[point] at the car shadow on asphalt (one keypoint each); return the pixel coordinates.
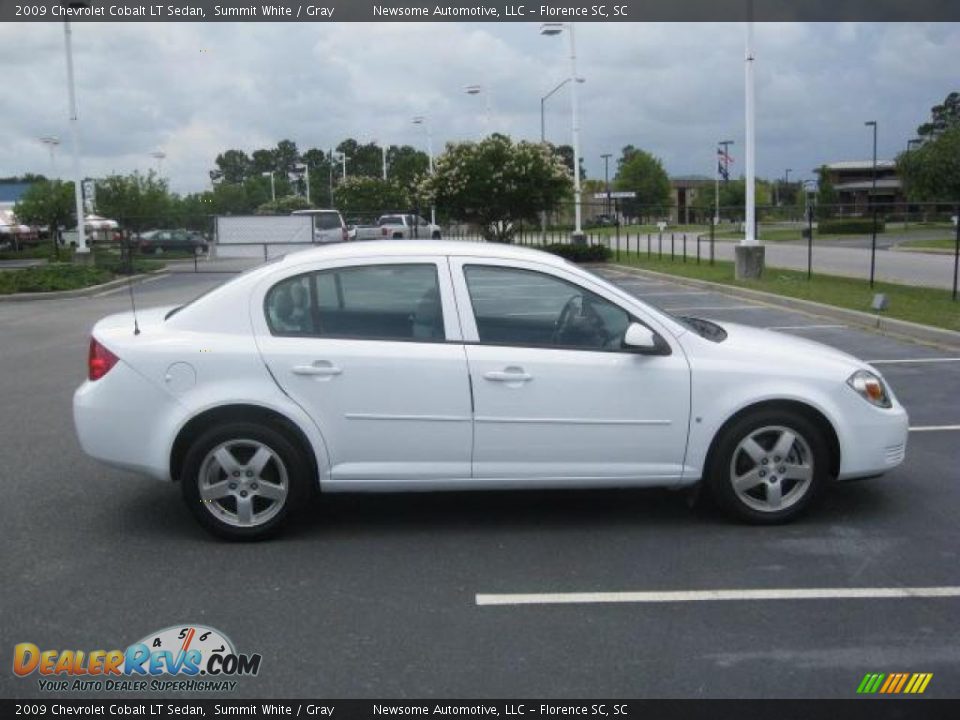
(158, 511)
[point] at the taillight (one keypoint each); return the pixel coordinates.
(344, 234)
(383, 231)
(100, 360)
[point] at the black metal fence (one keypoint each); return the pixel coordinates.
(837, 239)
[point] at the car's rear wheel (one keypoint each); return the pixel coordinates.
(769, 467)
(436, 235)
(242, 480)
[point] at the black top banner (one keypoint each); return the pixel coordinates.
(603, 709)
(460, 11)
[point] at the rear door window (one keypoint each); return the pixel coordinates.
(370, 302)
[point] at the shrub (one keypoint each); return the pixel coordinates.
(850, 226)
(580, 253)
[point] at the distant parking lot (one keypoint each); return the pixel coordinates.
(378, 596)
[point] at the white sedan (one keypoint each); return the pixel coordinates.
(447, 366)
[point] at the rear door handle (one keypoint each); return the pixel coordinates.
(508, 375)
(321, 368)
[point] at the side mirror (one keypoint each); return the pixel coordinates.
(643, 340)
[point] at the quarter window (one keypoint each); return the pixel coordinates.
(375, 302)
(527, 308)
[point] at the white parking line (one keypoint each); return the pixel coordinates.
(804, 327)
(126, 286)
(934, 428)
(907, 361)
(714, 595)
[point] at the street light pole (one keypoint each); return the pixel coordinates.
(606, 177)
(383, 154)
(555, 29)
(52, 142)
(82, 248)
(749, 253)
(159, 155)
(750, 234)
(425, 121)
(273, 189)
(870, 204)
(485, 91)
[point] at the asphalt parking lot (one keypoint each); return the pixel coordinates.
(377, 596)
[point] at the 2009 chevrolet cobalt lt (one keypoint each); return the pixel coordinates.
(448, 366)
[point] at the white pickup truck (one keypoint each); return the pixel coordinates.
(398, 227)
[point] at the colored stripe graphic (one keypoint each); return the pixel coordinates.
(894, 683)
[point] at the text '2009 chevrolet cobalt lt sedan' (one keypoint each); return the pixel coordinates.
(448, 366)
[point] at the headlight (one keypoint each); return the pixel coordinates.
(870, 387)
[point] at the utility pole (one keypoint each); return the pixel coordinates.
(606, 177)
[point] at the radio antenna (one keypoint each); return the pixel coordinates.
(133, 304)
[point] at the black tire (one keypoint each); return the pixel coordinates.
(436, 235)
(744, 506)
(286, 453)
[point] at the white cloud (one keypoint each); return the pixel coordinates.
(194, 90)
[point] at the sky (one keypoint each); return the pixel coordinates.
(195, 90)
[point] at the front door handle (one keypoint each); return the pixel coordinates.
(510, 374)
(321, 368)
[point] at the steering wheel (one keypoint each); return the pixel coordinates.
(577, 314)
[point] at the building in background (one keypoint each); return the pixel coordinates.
(684, 191)
(853, 182)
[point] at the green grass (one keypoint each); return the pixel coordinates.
(67, 276)
(929, 306)
(644, 229)
(934, 244)
(48, 278)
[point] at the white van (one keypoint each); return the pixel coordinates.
(328, 225)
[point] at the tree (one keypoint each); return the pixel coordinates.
(233, 166)
(48, 202)
(566, 155)
(370, 197)
(932, 171)
(942, 118)
(497, 183)
(138, 202)
(284, 205)
(826, 195)
(642, 173)
(406, 165)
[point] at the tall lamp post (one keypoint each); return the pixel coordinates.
(786, 182)
(425, 122)
(606, 177)
(485, 91)
(273, 187)
(82, 249)
(302, 166)
(159, 156)
(750, 253)
(52, 142)
(555, 28)
(870, 203)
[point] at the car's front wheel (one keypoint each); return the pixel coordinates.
(242, 480)
(769, 467)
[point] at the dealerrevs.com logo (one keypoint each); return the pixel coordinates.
(178, 658)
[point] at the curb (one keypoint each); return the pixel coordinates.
(948, 339)
(79, 292)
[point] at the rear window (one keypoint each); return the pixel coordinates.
(391, 220)
(326, 221)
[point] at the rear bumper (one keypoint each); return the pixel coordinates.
(116, 421)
